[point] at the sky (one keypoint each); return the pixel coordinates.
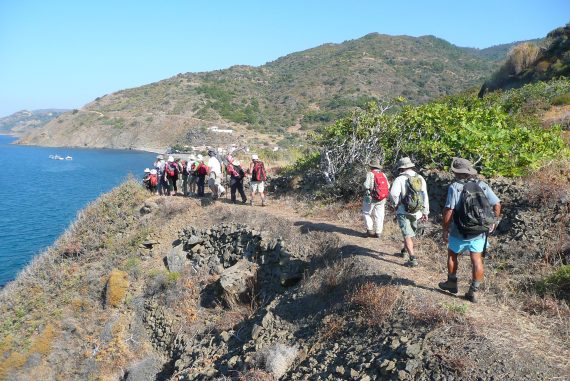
(64, 54)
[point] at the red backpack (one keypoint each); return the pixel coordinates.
(202, 169)
(380, 190)
(153, 180)
(258, 172)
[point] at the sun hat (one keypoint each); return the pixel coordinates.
(146, 170)
(374, 163)
(160, 157)
(404, 163)
(211, 152)
(459, 165)
(153, 171)
(170, 159)
(254, 157)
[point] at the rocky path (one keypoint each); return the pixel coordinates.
(522, 336)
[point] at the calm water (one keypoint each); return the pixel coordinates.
(40, 197)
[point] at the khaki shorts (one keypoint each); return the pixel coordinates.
(408, 224)
(257, 186)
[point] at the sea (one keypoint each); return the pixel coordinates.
(40, 197)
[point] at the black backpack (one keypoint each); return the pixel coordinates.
(473, 215)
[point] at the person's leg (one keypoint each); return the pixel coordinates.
(233, 189)
(367, 209)
(452, 265)
(379, 211)
(254, 186)
(241, 191)
(477, 273)
(184, 185)
(262, 192)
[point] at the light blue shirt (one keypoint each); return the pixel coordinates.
(452, 201)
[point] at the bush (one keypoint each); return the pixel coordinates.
(561, 100)
(557, 283)
(376, 302)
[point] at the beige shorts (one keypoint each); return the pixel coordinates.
(257, 186)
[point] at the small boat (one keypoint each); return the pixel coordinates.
(57, 157)
(68, 158)
(51, 157)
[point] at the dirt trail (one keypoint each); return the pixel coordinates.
(502, 325)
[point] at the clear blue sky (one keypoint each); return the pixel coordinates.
(63, 54)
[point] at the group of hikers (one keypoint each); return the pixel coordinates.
(175, 176)
(470, 214)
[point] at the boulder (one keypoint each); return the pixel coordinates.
(237, 280)
(176, 259)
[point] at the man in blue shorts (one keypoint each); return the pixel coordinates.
(457, 242)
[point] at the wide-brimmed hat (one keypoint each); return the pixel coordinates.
(146, 170)
(254, 157)
(459, 165)
(374, 163)
(170, 159)
(405, 162)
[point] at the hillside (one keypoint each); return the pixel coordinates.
(274, 103)
(138, 290)
(22, 122)
(530, 62)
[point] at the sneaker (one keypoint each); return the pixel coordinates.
(412, 263)
(404, 254)
(448, 286)
(244, 202)
(471, 296)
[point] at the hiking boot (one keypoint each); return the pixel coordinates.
(244, 202)
(449, 286)
(412, 262)
(471, 296)
(404, 254)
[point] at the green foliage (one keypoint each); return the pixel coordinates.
(557, 283)
(561, 100)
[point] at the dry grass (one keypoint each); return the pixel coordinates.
(377, 302)
(424, 312)
(549, 184)
(522, 56)
(117, 287)
(255, 375)
(331, 327)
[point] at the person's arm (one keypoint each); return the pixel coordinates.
(369, 182)
(395, 191)
(447, 217)
(425, 211)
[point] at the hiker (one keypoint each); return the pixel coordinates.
(171, 175)
(236, 179)
(146, 178)
(159, 165)
(153, 181)
(201, 172)
(191, 169)
(184, 175)
(215, 175)
(409, 195)
(469, 216)
(377, 190)
(258, 178)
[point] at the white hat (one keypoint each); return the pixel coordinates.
(404, 163)
(236, 162)
(200, 157)
(153, 171)
(170, 159)
(146, 170)
(254, 157)
(160, 157)
(192, 157)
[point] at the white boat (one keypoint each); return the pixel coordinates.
(51, 157)
(68, 158)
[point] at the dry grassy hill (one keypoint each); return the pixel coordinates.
(276, 102)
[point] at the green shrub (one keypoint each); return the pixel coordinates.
(557, 283)
(561, 100)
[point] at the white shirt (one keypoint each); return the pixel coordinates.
(215, 166)
(398, 192)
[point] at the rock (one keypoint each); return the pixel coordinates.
(365, 378)
(194, 239)
(237, 280)
(267, 319)
(354, 374)
(339, 370)
(255, 331)
(413, 350)
(176, 259)
(146, 369)
(225, 335)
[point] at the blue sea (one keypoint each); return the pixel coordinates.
(40, 197)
